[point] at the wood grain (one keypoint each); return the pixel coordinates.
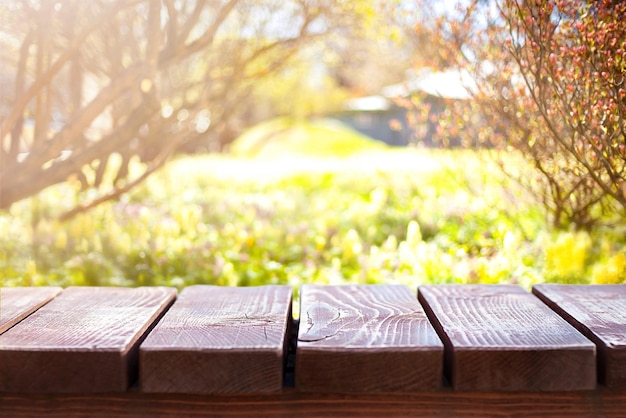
(16, 303)
(84, 340)
(365, 338)
(599, 312)
(290, 403)
(502, 338)
(219, 339)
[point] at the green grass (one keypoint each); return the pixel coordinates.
(313, 138)
(391, 216)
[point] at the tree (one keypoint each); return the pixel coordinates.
(550, 83)
(90, 88)
(361, 62)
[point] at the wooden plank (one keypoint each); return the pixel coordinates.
(290, 403)
(502, 338)
(84, 340)
(16, 303)
(599, 312)
(365, 338)
(219, 340)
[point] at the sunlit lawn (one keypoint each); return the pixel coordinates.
(392, 216)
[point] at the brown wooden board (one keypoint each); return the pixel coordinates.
(600, 403)
(84, 340)
(16, 303)
(599, 312)
(365, 338)
(219, 340)
(502, 338)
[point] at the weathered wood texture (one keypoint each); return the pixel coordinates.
(599, 312)
(84, 340)
(290, 403)
(505, 346)
(365, 338)
(219, 340)
(16, 303)
(502, 338)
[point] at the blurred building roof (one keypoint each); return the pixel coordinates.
(368, 104)
(449, 84)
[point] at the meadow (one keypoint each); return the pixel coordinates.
(405, 216)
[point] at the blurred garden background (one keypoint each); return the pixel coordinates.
(241, 142)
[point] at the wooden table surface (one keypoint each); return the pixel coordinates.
(357, 350)
(84, 340)
(504, 338)
(219, 340)
(365, 339)
(598, 312)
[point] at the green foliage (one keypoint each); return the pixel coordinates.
(395, 216)
(297, 91)
(546, 79)
(287, 136)
(145, 79)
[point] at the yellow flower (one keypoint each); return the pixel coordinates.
(613, 271)
(566, 258)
